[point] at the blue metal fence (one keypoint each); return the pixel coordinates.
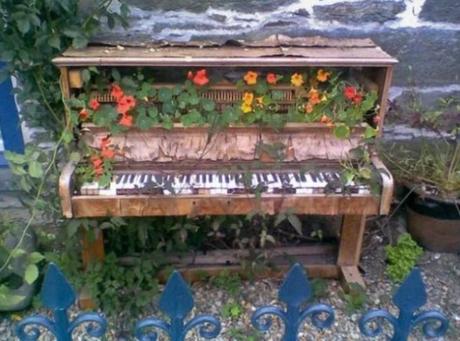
(177, 302)
(10, 126)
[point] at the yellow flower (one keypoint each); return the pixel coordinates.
(322, 75)
(297, 79)
(250, 78)
(246, 107)
(323, 98)
(248, 97)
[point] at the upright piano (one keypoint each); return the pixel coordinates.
(187, 170)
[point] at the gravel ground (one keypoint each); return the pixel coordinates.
(441, 274)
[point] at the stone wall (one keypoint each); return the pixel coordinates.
(423, 34)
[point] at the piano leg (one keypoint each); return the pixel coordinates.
(351, 239)
(92, 251)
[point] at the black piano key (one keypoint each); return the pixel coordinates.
(220, 178)
(297, 177)
(259, 178)
(142, 179)
(203, 178)
(119, 178)
(227, 178)
(275, 177)
(303, 177)
(187, 178)
(131, 177)
(313, 176)
(265, 177)
(210, 177)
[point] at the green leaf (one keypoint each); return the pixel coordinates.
(370, 132)
(86, 76)
(192, 118)
(23, 25)
(295, 222)
(277, 95)
(72, 227)
(35, 169)
(144, 122)
(365, 173)
(15, 158)
(55, 42)
(79, 42)
(75, 156)
(31, 273)
(164, 95)
(280, 218)
(35, 257)
(208, 105)
(17, 253)
(341, 131)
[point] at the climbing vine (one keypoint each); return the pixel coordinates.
(33, 32)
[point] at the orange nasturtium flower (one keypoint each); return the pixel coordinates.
(327, 120)
(83, 115)
(116, 92)
(309, 108)
(313, 96)
(201, 78)
(322, 75)
(94, 104)
(297, 79)
(250, 78)
(248, 97)
(272, 78)
(98, 165)
(245, 107)
(126, 120)
(125, 104)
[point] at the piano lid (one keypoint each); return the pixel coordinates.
(276, 50)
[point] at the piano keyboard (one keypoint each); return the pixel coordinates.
(214, 183)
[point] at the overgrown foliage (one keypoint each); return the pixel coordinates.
(33, 32)
(431, 163)
(402, 257)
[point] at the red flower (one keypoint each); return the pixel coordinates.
(105, 142)
(126, 120)
(108, 153)
(96, 161)
(350, 92)
(116, 92)
(272, 78)
(125, 104)
(190, 75)
(358, 98)
(84, 114)
(201, 78)
(94, 104)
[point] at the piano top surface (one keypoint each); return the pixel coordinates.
(276, 51)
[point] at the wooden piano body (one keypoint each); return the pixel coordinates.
(192, 149)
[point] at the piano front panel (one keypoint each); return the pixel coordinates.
(142, 205)
(301, 142)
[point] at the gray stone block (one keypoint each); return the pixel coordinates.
(360, 11)
(441, 11)
(243, 6)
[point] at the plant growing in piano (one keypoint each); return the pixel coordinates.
(99, 164)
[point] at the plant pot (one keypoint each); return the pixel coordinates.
(434, 223)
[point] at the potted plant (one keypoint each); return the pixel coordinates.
(429, 167)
